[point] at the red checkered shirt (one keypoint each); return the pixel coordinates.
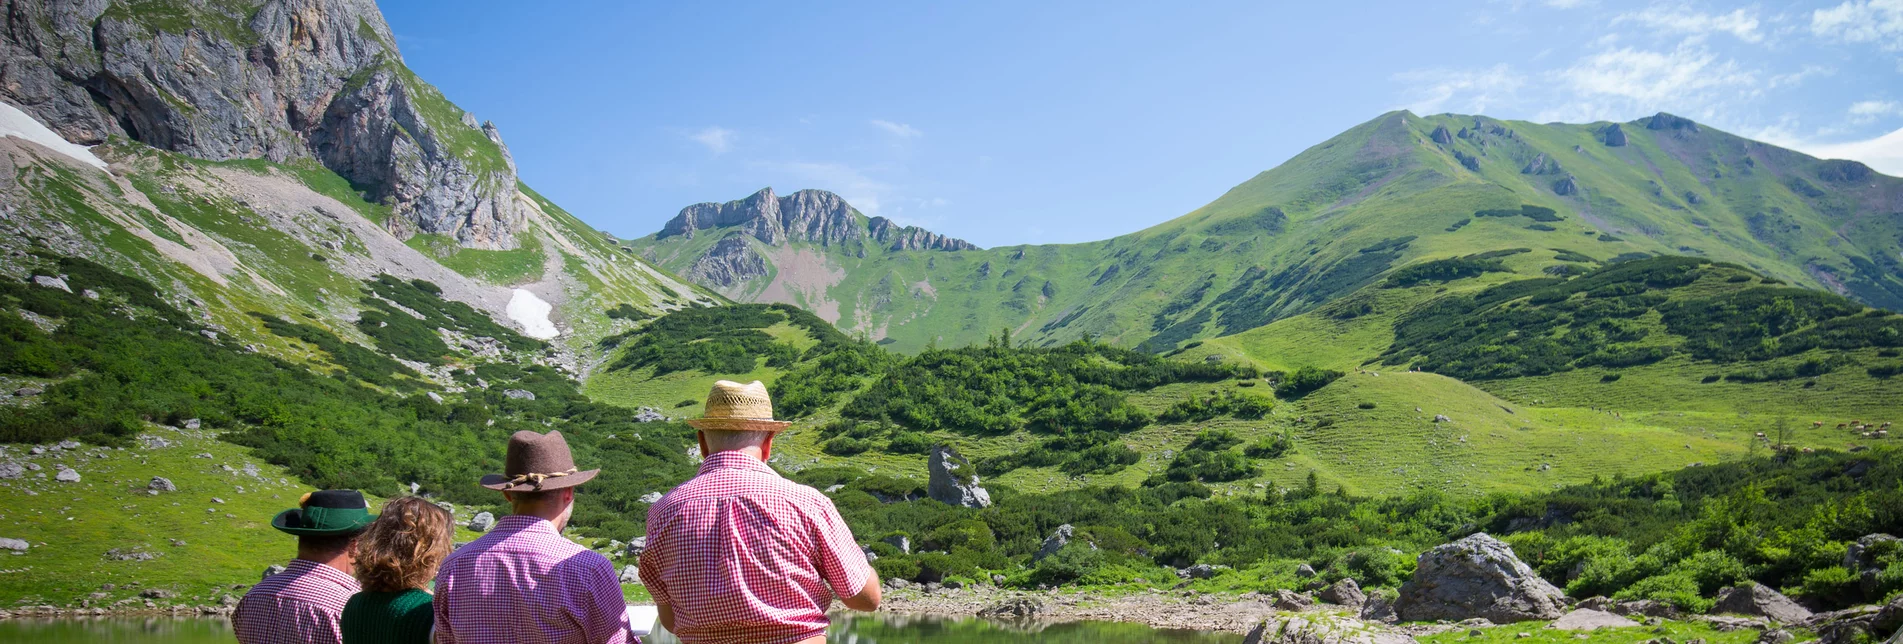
(523, 583)
(743, 555)
(298, 606)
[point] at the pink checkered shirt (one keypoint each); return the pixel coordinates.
(298, 606)
(745, 556)
(523, 583)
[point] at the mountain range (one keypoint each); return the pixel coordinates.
(1397, 190)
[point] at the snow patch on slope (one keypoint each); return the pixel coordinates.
(532, 313)
(18, 124)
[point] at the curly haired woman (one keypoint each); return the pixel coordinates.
(397, 557)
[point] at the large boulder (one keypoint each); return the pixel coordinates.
(1344, 593)
(1758, 599)
(16, 545)
(482, 522)
(1477, 576)
(1587, 619)
(954, 481)
(161, 484)
(1379, 608)
(1322, 628)
(1614, 136)
(1013, 608)
(1862, 557)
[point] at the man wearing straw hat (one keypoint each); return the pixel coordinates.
(302, 604)
(739, 554)
(524, 582)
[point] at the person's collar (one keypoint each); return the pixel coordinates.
(523, 522)
(734, 460)
(320, 570)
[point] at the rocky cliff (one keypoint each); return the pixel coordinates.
(815, 216)
(278, 79)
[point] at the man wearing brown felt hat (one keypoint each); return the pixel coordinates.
(524, 582)
(739, 554)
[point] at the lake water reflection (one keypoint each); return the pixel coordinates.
(881, 629)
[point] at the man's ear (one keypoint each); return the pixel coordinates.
(766, 447)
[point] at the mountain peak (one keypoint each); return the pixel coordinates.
(815, 216)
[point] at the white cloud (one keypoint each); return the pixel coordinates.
(1436, 90)
(1741, 24)
(1870, 111)
(716, 139)
(1877, 21)
(900, 130)
(1796, 77)
(1564, 4)
(1883, 153)
(1622, 83)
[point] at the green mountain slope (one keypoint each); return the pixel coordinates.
(1396, 190)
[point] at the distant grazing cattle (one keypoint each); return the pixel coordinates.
(1842, 425)
(1817, 423)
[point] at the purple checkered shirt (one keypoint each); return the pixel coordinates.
(523, 583)
(298, 606)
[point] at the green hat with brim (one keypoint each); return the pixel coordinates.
(326, 513)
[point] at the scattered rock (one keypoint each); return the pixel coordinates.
(1291, 601)
(636, 546)
(954, 481)
(1200, 571)
(1758, 599)
(1646, 608)
(192, 423)
(25, 392)
(67, 476)
(870, 555)
(1379, 608)
(49, 281)
(897, 583)
(270, 570)
(12, 470)
(1567, 186)
(651, 498)
(1016, 608)
(519, 394)
(1726, 624)
(1304, 571)
(1860, 557)
(649, 415)
(482, 522)
(1776, 636)
(904, 543)
(16, 545)
(1442, 136)
(1477, 576)
(157, 593)
(1318, 628)
(1665, 121)
(630, 575)
(1439, 418)
(1344, 593)
(117, 554)
(161, 484)
(835, 487)
(1587, 619)
(434, 397)
(1059, 538)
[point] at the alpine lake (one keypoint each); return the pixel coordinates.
(881, 629)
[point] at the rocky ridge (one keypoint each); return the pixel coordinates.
(815, 216)
(286, 79)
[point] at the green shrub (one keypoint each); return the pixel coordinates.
(1070, 563)
(847, 446)
(1271, 446)
(1830, 586)
(909, 443)
(1305, 380)
(1677, 589)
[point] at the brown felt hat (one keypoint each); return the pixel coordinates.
(735, 407)
(537, 462)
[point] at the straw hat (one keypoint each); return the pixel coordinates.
(735, 407)
(537, 462)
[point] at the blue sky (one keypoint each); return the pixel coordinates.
(1008, 122)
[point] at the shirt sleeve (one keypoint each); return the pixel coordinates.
(650, 568)
(839, 559)
(439, 608)
(604, 612)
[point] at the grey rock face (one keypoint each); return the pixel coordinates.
(904, 544)
(1758, 599)
(954, 481)
(161, 484)
(1566, 187)
(1613, 135)
(1860, 557)
(815, 216)
(47, 281)
(1442, 136)
(1317, 628)
(286, 79)
(1291, 600)
(1059, 538)
(730, 261)
(519, 394)
(1344, 593)
(482, 522)
(1477, 576)
(1379, 609)
(1664, 121)
(1587, 619)
(1542, 165)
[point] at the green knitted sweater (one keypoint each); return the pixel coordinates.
(388, 618)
